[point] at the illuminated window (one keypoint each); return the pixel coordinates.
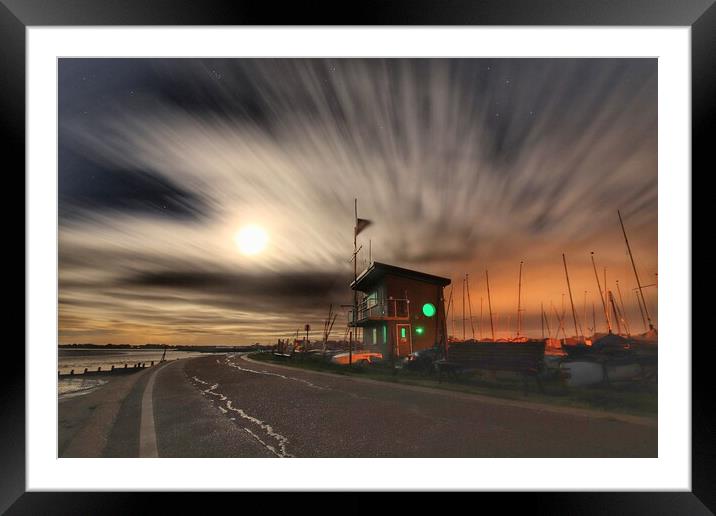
(419, 330)
(385, 334)
(402, 333)
(375, 336)
(429, 309)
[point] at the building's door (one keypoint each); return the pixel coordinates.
(405, 346)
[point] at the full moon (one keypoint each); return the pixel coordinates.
(251, 240)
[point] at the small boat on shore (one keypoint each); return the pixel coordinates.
(586, 372)
(358, 357)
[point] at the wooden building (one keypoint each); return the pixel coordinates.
(400, 310)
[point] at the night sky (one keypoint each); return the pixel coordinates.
(461, 164)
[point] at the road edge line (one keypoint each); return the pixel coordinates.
(147, 432)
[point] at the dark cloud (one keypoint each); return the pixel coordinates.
(295, 290)
(86, 186)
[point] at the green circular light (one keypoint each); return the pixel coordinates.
(419, 330)
(429, 309)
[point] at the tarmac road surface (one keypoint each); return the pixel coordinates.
(228, 406)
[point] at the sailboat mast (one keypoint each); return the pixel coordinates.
(489, 304)
(560, 323)
(641, 310)
(469, 305)
(480, 327)
(601, 296)
(546, 321)
(571, 301)
(519, 302)
(453, 311)
(541, 316)
(622, 308)
(584, 312)
(636, 274)
(616, 314)
(463, 307)
(606, 296)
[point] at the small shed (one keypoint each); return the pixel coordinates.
(400, 310)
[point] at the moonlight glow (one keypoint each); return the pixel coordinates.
(251, 240)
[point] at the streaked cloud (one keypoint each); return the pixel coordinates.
(462, 165)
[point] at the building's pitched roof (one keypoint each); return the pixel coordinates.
(377, 270)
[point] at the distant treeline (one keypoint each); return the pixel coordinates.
(205, 349)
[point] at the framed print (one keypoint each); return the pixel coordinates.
(420, 248)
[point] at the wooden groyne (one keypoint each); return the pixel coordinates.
(127, 369)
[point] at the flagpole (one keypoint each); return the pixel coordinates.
(355, 278)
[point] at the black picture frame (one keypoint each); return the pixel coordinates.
(17, 15)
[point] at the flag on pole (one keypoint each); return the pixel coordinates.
(361, 224)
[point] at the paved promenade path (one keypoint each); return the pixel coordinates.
(229, 406)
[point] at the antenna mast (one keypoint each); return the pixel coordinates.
(355, 280)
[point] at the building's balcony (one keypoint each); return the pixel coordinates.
(387, 310)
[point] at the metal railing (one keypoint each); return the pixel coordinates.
(371, 309)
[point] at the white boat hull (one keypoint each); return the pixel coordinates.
(582, 373)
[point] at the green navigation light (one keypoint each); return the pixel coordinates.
(429, 309)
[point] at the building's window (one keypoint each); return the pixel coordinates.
(372, 299)
(385, 334)
(402, 332)
(375, 336)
